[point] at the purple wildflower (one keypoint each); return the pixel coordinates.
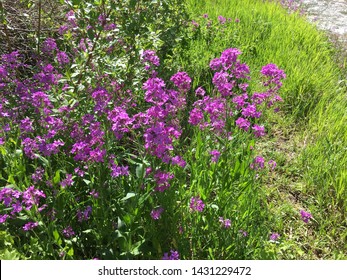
(196, 116)
(120, 120)
(272, 164)
(40, 99)
(49, 45)
(215, 155)
(30, 226)
(94, 193)
(3, 218)
(79, 171)
(17, 207)
(305, 216)
(225, 222)
(63, 29)
(274, 75)
(162, 180)
(215, 64)
(174, 255)
(150, 58)
(229, 57)
(274, 236)
(178, 161)
(251, 111)
(182, 81)
(240, 101)
(110, 26)
(119, 170)
(156, 213)
(85, 215)
(258, 130)
(221, 19)
(243, 124)
(3, 72)
(71, 18)
(200, 92)
(258, 163)
(155, 91)
(68, 232)
(196, 204)
(38, 175)
(68, 181)
(26, 125)
(62, 58)
(31, 197)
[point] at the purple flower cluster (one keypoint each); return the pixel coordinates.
(68, 232)
(226, 223)
(305, 216)
(150, 59)
(258, 163)
(68, 181)
(173, 255)
(84, 215)
(37, 176)
(156, 213)
(106, 118)
(17, 201)
(274, 236)
(273, 73)
(49, 46)
(30, 226)
(120, 120)
(243, 124)
(230, 76)
(89, 140)
(196, 204)
(162, 180)
(215, 155)
(182, 81)
(222, 19)
(31, 197)
(117, 170)
(214, 110)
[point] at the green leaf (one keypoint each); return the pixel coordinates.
(56, 178)
(86, 181)
(215, 207)
(57, 237)
(70, 252)
(139, 171)
(128, 196)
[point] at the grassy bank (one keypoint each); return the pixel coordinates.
(310, 141)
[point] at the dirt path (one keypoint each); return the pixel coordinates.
(330, 15)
